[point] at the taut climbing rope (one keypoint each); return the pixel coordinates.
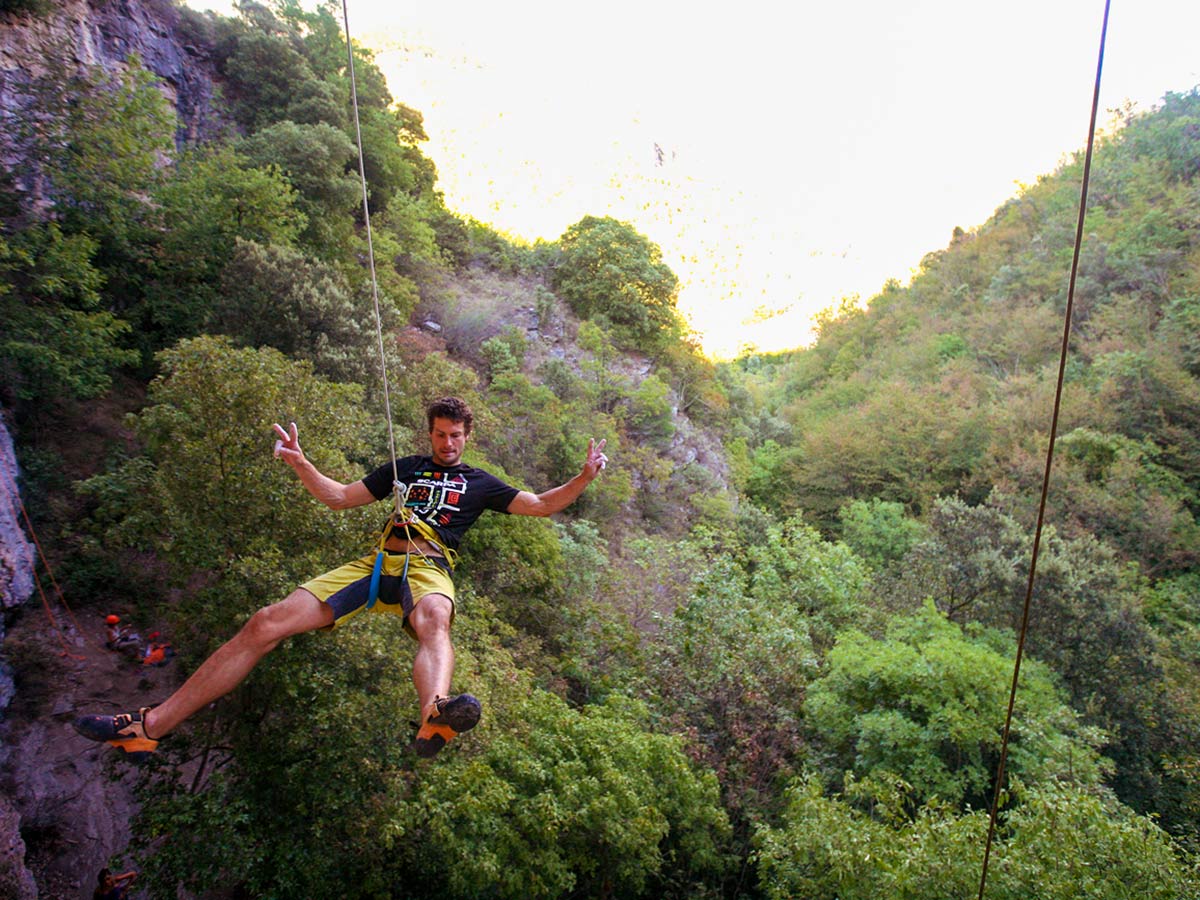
(1041, 516)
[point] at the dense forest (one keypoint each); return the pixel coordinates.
(766, 655)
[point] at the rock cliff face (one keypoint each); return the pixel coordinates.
(16, 586)
(16, 554)
(84, 33)
(61, 816)
(78, 34)
(16, 881)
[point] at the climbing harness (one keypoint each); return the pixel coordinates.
(1037, 538)
(377, 569)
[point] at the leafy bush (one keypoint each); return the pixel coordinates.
(923, 705)
(878, 530)
(54, 338)
(567, 802)
(1057, 842)
(608, 269)
(277, 297)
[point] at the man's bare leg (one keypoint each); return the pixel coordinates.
(433, 668)
(442, 716)
(137, 733)
(228, 666)
(299, 612)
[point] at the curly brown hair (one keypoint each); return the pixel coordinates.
(453, 409)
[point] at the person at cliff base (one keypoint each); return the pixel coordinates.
(120, 638)
(112, 887)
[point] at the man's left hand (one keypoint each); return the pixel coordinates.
(596, 460)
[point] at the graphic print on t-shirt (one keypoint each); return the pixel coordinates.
(434, 496)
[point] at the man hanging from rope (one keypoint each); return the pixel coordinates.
(442, 498)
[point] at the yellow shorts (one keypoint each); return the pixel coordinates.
(346, 589)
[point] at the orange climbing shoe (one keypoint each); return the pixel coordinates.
(442, 720)
(125, 731)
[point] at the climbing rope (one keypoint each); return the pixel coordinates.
(399, 491)
(362, 172)
(1041, 516)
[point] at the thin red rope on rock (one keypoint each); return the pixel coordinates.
(49, 572)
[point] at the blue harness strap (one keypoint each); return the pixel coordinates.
(377, 569)
(373, 590)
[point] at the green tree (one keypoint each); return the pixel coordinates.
(732, 668)
(277, 297)
(926, 705)
(504, 354)
(1114, 488)
(824, 581)
(266, 74)
(969, 562)
(215, 494)
(902, 443)
(1147, 396)
(588, 803)
(1086, 624)
(694, 381)
(544, 801)
(605, 387)
(1057, 843)
(54, 337)
(650, 413)
(1182, 328)
(99, 139)
(608, 269)
(765, 476)
(213, 200)
(316, 160)
(878, 531)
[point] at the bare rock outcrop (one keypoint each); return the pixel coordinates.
(16, 553)
(77, 34)
(16, 586)
(16, 881)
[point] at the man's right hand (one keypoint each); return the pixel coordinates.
(332, 493)
(287, 447)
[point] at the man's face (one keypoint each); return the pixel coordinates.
(447, 440)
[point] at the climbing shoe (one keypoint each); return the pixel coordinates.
(126, 732)
(442, 720)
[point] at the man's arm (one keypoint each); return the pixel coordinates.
(559, 498)
(332, 493)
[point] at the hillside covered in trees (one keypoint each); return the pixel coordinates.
(766, 655)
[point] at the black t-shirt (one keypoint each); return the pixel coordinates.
(448, 499)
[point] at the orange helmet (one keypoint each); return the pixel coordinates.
(113, 620)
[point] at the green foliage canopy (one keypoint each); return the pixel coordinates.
(1060, 842)
(215, 494)
(278, 297)
(926, 705)
(588, 802)
(54, 338)
(608, 269)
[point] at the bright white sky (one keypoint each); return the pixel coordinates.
(810, 151)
